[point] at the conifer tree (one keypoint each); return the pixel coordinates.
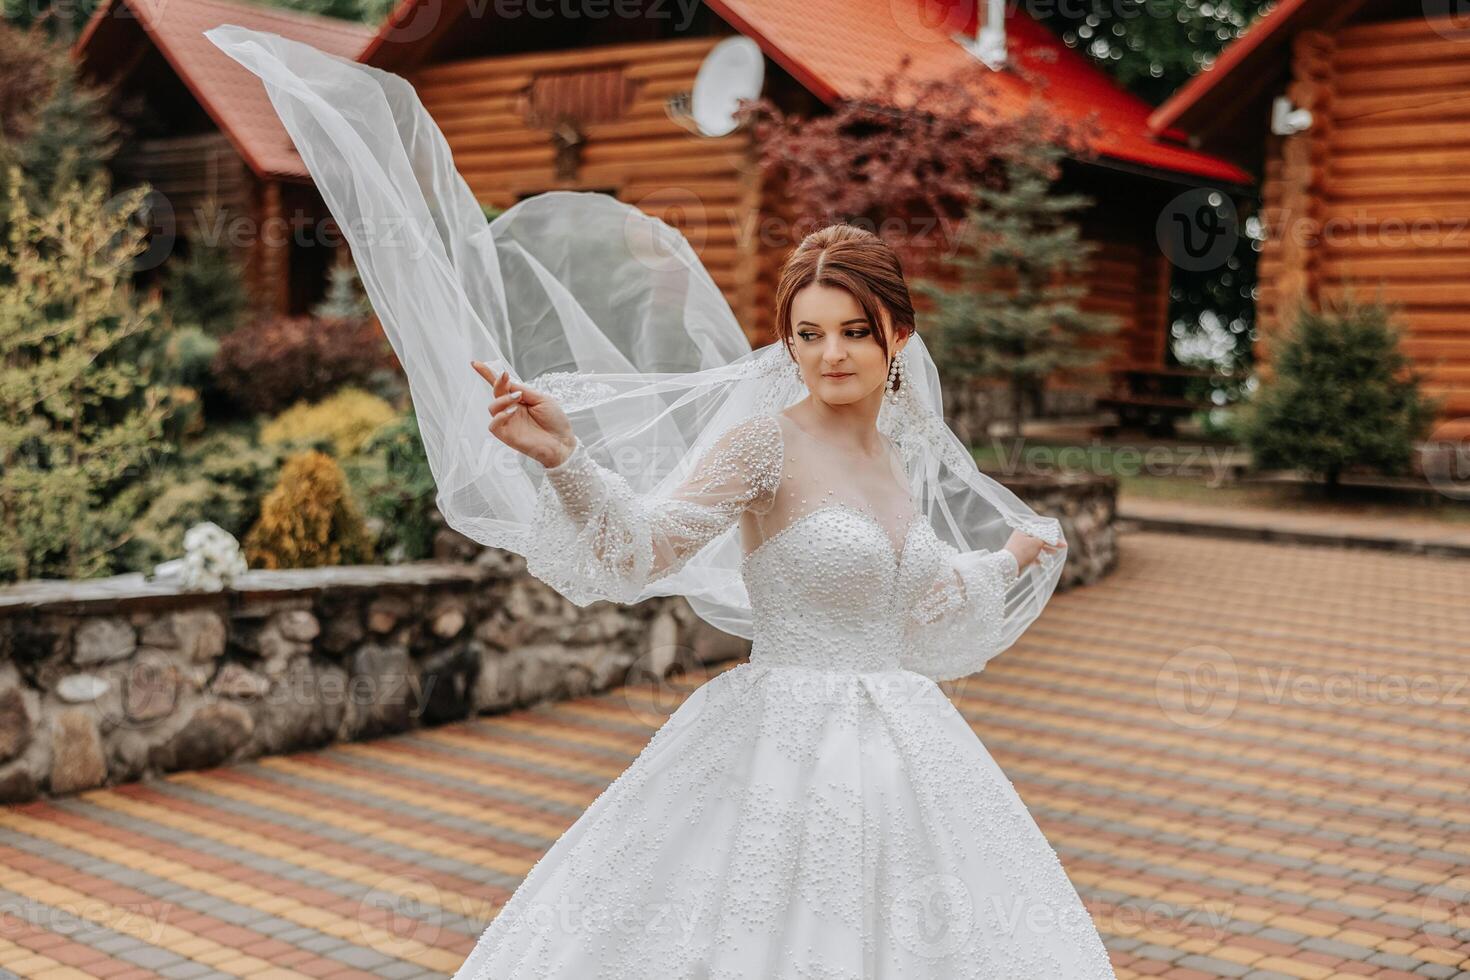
(79, 415)
(206, 288)
(1013, 311)
(345, 299)
(1341, 395)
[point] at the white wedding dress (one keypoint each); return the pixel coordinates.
(821, 812)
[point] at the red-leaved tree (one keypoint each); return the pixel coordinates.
(270, 363)
(904, 157)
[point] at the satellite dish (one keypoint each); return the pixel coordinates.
(733, 70)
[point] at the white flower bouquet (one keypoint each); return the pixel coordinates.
(212, 557)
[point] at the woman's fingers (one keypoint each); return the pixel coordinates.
(484, 370)
(498, 418)
(505, 401)
(528, 396)
(497, 379)
(510, 396)
(502, 383)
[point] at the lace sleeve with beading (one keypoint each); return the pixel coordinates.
(594, 537)
(958, 622)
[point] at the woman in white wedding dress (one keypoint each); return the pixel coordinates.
(821, 811)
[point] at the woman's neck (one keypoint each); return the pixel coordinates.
(851, 427)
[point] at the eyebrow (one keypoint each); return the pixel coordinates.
(808, 323)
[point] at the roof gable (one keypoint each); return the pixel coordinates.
(1239, 79)
(232, 96)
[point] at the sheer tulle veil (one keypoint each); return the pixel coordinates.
(593, 300)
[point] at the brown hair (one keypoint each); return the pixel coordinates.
(854, 259)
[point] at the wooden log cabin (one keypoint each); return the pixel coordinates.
(1365, 194)
(203, 133)
(535, 96)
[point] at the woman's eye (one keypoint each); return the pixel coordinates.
(855, 333)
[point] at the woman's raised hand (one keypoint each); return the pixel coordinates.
(527, 420)
(1026, 548)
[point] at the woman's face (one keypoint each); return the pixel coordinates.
(836, 347)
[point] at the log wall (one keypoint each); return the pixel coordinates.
(492, 111)
(1370, 198)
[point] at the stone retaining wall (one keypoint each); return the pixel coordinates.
(109, 680)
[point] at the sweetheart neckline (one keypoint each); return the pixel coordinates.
(897, 554)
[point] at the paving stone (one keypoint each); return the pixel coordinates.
(1253, 830)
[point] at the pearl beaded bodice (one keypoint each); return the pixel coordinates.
(841, 572)
(822, 594)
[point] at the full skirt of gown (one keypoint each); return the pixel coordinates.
(789, 823)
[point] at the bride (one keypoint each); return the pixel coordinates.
(820, 811)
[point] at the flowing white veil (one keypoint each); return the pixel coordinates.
(594, 301)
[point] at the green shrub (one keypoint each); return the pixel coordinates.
(206, 289)
(397, 489)
(1341, 397)
(190, 353)
(309, 519)
(159, 534)
(54, 124)
(346, 298)
(343, 421)
(82, 419)
(177, 359)
(234, 459)
(221, 478)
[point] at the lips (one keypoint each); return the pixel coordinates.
(838, 377)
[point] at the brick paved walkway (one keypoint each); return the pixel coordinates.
(1310, 525)
(1201, 736)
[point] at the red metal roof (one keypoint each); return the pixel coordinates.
(831, 46)
(232, 95)
(834, 46)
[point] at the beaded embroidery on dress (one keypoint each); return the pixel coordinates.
(820, 812)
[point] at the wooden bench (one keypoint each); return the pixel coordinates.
(1151, 397)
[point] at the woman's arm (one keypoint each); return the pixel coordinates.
(594, 537)
(961, 617)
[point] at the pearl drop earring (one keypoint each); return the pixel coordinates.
(894, 374)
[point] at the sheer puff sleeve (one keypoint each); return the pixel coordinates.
(964, 613)
(594, 537)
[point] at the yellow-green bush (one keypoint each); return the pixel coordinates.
(344, 420)
(309, 519)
